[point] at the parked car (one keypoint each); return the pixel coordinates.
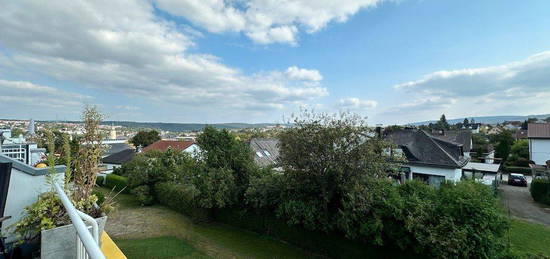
(517, 179)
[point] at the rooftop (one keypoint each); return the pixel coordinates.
(422, 148)
(266, 151)
(538, 130)
(163, 145)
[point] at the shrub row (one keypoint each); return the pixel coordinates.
(334, 245)
(540, 190)
(181, 198)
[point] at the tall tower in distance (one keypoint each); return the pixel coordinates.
(31, 131)
(112, 134)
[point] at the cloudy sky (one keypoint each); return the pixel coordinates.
(395, 61)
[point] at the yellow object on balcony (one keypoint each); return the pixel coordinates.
(41, 165)
(109, 248)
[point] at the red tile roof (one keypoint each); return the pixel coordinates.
(539, 130)
(163, 145)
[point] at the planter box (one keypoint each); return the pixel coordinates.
(60, 242)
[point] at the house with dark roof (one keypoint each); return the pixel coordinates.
(428, 158)
(461, 137)
(116, 160)
(163, 145)
(265, 151)
(538, 135)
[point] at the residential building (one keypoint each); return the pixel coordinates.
(18, 148)
(265, 151)
(163, 145)
(539, 142)
(116, 160)
(428, 158)
(520, 134)
(462, 137)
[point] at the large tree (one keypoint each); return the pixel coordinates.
(325, 159)
(221, 150)
(145, 138)
(442, 124)
(504, 141)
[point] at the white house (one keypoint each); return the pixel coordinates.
(538, 135)
(429, 158)
(25, 184)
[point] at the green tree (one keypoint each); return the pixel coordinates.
(519, 153)
(466, 122)
(504, 141)
(220, 149)
(325, 157)
(145, 138)
(15, 132)
(480, 145)
(442, 124)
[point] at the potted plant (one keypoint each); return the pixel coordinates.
(47, 218)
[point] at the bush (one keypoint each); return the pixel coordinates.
(117, 182)
(182, 198)
(143, 195)
(540, 190)
(100, 197)
(333, 245)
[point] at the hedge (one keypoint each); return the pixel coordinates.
(117, 182)
(181, 198)
(334, 245)
(540, 190)
(516, 170)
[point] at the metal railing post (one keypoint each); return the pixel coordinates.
(90, 244)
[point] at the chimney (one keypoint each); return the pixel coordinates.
(378, 130)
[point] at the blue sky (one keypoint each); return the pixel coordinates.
(257, 61)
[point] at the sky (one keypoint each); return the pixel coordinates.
(214, 61)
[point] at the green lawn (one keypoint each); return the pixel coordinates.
(133, 226)
(160, 247)
(527, 237)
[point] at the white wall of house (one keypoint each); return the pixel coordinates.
(539, 150)
(452, 174)
(192, 149)
(23, 191)
(490, 158)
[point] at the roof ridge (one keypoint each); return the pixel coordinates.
(442, 149)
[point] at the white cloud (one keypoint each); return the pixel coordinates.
(122, 47)
(265, 21)
(512, 88)
(303, 74)
(356, 104)
(22, 93)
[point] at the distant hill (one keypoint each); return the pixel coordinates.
(178, 127)
(488, 119)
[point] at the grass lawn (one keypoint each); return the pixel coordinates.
(527, 237)
(160, 247)
(132, 226)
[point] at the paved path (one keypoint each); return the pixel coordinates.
(522, 205)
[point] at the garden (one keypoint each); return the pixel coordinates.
(336, 196)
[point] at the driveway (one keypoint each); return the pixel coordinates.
(522, 205)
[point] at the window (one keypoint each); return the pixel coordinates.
(259, 154)
(267, 153)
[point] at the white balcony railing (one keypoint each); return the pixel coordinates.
(87, 243)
